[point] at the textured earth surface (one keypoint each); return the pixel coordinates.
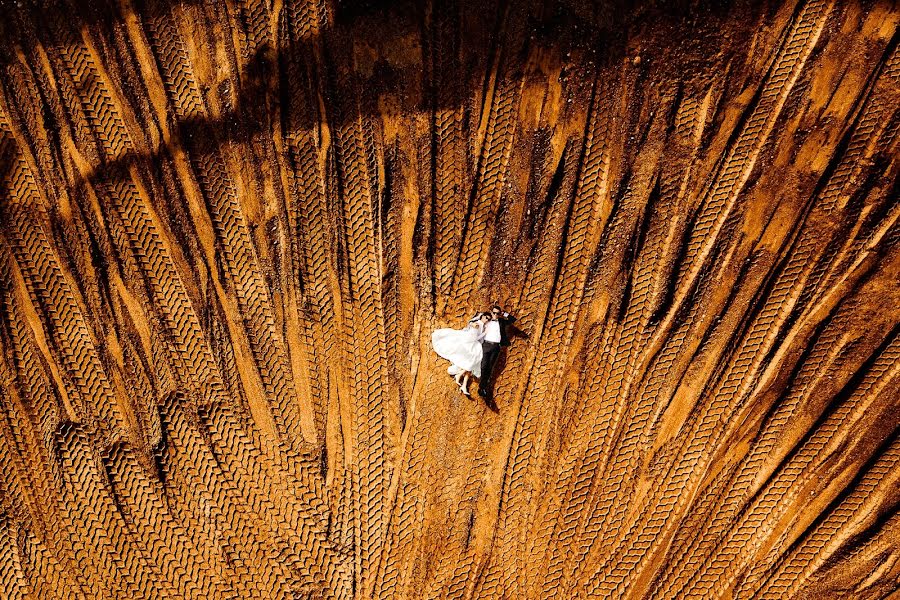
(227, 230)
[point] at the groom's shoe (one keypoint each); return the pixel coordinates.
(482, 393)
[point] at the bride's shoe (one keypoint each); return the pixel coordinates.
(464, 386)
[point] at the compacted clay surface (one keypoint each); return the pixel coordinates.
(228, 229)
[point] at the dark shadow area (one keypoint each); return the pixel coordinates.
(412, 56)
(515, 332)
(452, 47)
(7, 164)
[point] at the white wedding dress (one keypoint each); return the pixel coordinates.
(462, 347)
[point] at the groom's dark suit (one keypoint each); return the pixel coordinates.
(505, 321)
(490, 354)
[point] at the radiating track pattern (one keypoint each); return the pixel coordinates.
(228, 228)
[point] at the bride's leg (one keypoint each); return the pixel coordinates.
(464, 386)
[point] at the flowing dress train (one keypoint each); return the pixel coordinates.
(462, 347)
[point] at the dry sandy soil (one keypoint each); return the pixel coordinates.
(228, 229)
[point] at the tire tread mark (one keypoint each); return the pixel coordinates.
(85, 88)
(306, 199)
(797, 46)
(778, 493)
(478, 227)
(26, 399)
(102, 543)
(688, 122)
(374, 423)
(52, 294)
(409, 502)
(811, 553)
(295, 512)
(14, 583)
(201, 493)
(786, 293)
(448, 153)
(239, 256)
(167, 542)
(147, 242)
(582, 225)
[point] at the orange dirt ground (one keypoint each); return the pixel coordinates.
(228, 229)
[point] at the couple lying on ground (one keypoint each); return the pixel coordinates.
(473, 351)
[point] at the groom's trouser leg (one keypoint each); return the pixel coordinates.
(488, 360)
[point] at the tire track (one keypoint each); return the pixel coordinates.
(167, 542)
(449, 146)
(784, 296)
(295, 514)
(798, 43)
(104, 546)
(226, 230)
(772, 501)
(26, 399)
(408, 495)
(647, 285)
(13, 582)
(139, 225)
(53, 296)
(239, 258)
(478, 228)
(535, 299)
(374, 426)
(307, 211)
(580, 227)
(812, 552)
(868, 569)
(47, 576)
(264, 565)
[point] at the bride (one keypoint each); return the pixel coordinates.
(462, 347)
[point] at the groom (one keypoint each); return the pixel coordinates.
(495, 337)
